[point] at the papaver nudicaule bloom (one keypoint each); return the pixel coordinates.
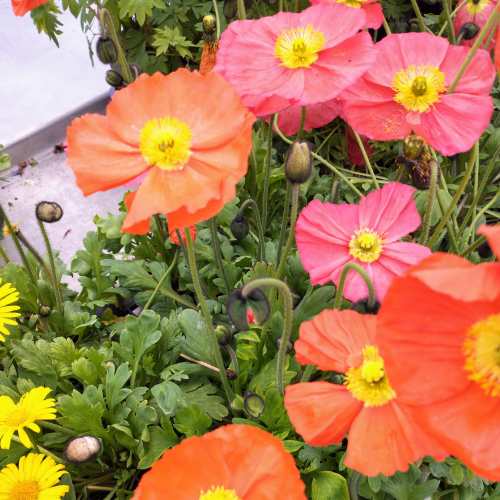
(477, 12)
(330, 236)
(372, 10)
(406, 88)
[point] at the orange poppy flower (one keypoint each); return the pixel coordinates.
(234, 462)
(184, 137)
(439, 333)
(21, 7)
(182, 232)
(383, 435)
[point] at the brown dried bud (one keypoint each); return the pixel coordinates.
(421, 174)
(231, 374)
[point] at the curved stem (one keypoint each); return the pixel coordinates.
(472, 247)
(287, 323)
(208, 318)
(419, 15)
(367, 161)
(364, 275)
(431, 198)
(460, 5)
(217, 17)
(219, 262)
(386, 27)
(449, 225)
(356, 476)
(56, 459)
(451, 31)
(478, 216)
(57, 428)
(163, 278)
(265, 194)
(302, 123)
(307, 373)
(234, 358)
(335, 192)
(291, 235)
(284, 222)
(242, 13)
(262, 245)
(36, 255)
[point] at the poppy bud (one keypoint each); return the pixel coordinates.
(114, 79)
(298, 162)
(48, 211)
(108, 364)
(237, 404)
(363, 307)
(414, 146)
(44, 311)
(338, 378)
(135, 70)
(175, 239)
(223, 334)
(231, 374)
(209, 24)
(106, 50)
(82, 449)
(421, 174)
(237, 307)
(289, 347)
(240, 228)
(484, 250)
(468, 31)
(254, 404)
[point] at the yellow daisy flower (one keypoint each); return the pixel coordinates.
(14, 227)
(32, 406)
(33, 480)
(8, 296)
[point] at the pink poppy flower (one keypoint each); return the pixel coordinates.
(354, 153)
(330, 236)
(476, 12)
(372, 10)
(296, 58)
(405, 91)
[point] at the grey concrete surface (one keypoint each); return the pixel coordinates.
(51, 180)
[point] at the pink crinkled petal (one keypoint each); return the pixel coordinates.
(138, 180)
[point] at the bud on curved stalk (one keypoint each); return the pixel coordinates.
(115, 79)
(468, 31)
(48, 211)
(421, 174)
(254, 404)
(44, 311)
(237, 306)
(240, 228)
(298, 162)
(363, 307)
(135, 69)
(106, 50)
(223, 334)
(82, 449)
(414, 146)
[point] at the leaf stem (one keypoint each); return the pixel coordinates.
(367, 161)
(219, 262)
(284, 222)
(265, 194)
(419, 15)
(57, 428)
(253, 203)
(56, 459)
(302, 123)
(431, 198)
(364, 275)
(291, 235)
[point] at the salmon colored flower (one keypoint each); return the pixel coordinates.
(383, 435)
(439, 334)
(372, 10)
(354, 153)
(208, 57)
(182, 231)
(329, 236)
(477, 12)
(234, 462)
(189, 135)
(405, 91)
(295, 58)
(21, 7)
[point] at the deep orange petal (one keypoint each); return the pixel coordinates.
(99, 159)
(321, 412)
(21, 7)
(332, 336)
(492, 232)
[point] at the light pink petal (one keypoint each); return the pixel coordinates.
(374, 15)
(456, 123)
(390, 211)
(137, 180)
(317, 2)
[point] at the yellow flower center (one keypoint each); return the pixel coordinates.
(482, 351)
(166, 143)
(17, 418)
(14, 227)
(418, 89)
(476, 6)
(299, 47)
(368, 382)
(219, 493)
(25, 490)
(366, 245)
(353, 3)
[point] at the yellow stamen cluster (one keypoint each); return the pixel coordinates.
(166, 143)
(219, 493)
(476, 7)
(366, 245)
(368, 382)
(418, 89)
(352, 3)
(14, 227)
(482, 351)
(299, 47)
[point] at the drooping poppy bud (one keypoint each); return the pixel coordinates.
(240, 228)
(237, 308)
(421, 174)
(175, 239)
(223, 334)
(298, 162)
(135, 69)
(468, 31)
(363, 307)
(44, 311)
(49, 211)
(114, 79)
(254, 404)
(106, 50)
(82, 449)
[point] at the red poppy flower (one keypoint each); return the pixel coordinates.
(439, 334)
(354, 152)
(21, 7)
(190, 135)
(234, 462)
(383, 435)
(182, 231)
(372, 10)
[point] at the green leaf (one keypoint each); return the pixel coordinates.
(203, 397)
(292, 446)
(329, 486)
(139, 8)
(375, 483)
(66, 481)
(169, 397)
(115, 393)
(422, 491)
(400, 485)
(167, 37)
(28, 294)
(196, 342)
(192, 421)
(85, 370)
(12, 455)
(457, 473)
(161, 439)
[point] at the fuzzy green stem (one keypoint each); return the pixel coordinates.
(451, 32)
(57, 428)
(291, 235)
(493, 17)
(242, 13)
(302, 123)
(364, 275)
(478, 216)
(490, 37)
(335, 192)
(265, 194)
(458, 193)
(281, 6)
(219, 261)
(472, 247)
(419, 15)
(159, 225)
(431, 198)
(253, 203)
(448, 222)
(36, 255)
(386, 27)
(208, 318)
(217, 17)
(3, 254)
(287, 323)
(460, 5)
(284, 222)
(367, 161)
(307, 373)
(356, 476)
(56, 459)
(163, 278)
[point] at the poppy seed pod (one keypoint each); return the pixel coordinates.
(48, 211)
(44, 311)
(106, 50)
(421, 174)
(114, 79)
(135, 69)
(82, 449)
(468, 31)
(240, 228)
(254, 404)
(484, 250)
(414, 146)
(298, 162)
(223, 334)
(209, 24)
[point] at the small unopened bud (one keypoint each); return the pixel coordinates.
(254, 404)
(363, 307)
(135, 69)
(289, 346)
(114, 79)
(231, 374)
(298, 162)
(468, 31)
(48, 211)
(223, 335)
(106, 50)
(414, 146)
(209, 24)
(123, 456)
(82, 449)
(237, 404)
(108, 364)
(240, 228)
(484, 250)
(44, 311)
(338, 378)
(421, 174)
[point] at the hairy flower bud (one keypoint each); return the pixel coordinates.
(414, 146)
(48, 211)
(44, 311)
(82, 449)
(231, 374)
(363, 307)
(468, 31)
(421, 174)
(209, 24)
(114, 79)
(135, 69)
(298, 162)
(254, 404)
(106, 50)
(223, 334)
(240, 228)
(484, 250)
(289, 347)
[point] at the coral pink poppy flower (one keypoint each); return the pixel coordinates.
(405, 90)
(477, 12)
(383, 435)
(21, 7)
(372, 10)
(329, 236)
(354, 153)
(297, 57)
